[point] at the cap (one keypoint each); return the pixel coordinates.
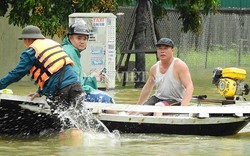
(165, 41)
(31, 31)
(78, 28)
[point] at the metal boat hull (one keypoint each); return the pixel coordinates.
(222, 129)
(175, 124)
(18, 120)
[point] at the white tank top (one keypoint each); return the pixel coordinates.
(167, 87)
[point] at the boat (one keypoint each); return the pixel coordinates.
(17, 121)
(22, 117)
(185, 120)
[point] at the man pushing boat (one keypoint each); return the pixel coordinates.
(50, 68)
(48, 64)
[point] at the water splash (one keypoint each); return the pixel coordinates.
(78, 116)
(101, 140)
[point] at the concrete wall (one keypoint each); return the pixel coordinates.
(10, 47)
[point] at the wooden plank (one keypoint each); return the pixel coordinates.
(20, 98)
(224, 109)
(203, 98)
(238, 108)
(146, 51)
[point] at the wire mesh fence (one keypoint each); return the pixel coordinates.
(224, 39)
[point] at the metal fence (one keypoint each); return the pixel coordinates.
(224, 39)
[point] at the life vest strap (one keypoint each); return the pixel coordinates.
(41, 54)
(46, 58)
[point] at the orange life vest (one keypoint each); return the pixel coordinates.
(50, 57)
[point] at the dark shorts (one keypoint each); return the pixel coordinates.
(71, 95)
(153, 100)
(67, 96)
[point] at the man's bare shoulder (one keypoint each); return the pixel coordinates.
(152, 70)
(153, 66)
(178, 61)
(180, 65)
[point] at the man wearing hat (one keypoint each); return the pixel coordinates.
(74, 44)
(49, 66)
(171, 77)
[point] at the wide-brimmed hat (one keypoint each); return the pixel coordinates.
(165, 41)
(31, 31)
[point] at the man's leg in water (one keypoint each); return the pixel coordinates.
(69, 96)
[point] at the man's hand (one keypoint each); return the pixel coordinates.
(101, 75)
(34, 95)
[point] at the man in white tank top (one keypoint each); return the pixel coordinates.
(170, 76)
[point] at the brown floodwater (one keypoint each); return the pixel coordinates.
(124, 144)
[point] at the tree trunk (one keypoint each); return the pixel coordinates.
(140, 43)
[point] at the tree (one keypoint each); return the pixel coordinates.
(139, 40)
(52, 16)
(190, 13)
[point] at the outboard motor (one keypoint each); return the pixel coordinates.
(230, 82)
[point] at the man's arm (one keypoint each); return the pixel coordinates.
(146, 90)
(186, 80)
(22, 68)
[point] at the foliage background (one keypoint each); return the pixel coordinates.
(52, 16)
